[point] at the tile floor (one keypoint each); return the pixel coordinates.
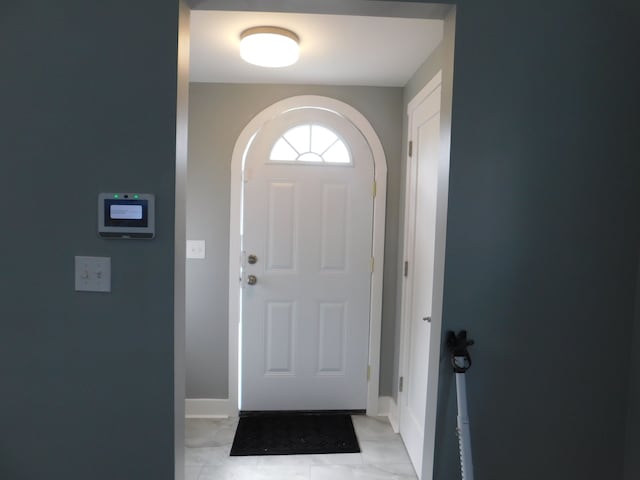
(383, 456)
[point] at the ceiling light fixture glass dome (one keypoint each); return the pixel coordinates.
(269, 46)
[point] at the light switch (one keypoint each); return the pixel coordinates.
(195, 249)
(93, 274)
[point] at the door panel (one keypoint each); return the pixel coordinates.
(419, 251)
(305, 323)
(332, 345)
(279, 335)
(281, 226)
(335, 205)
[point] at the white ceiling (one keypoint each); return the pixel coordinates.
(334, 49)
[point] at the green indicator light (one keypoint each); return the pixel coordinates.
(136, 196)
(116, 196)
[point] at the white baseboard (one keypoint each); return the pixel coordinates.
(206, 407)
(387, 407)
(219, 408)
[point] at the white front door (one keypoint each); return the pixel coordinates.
(422, 183)
(307, 242)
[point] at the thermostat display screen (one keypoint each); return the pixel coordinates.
(126, 215)
(129, 212)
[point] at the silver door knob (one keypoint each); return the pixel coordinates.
(252, 279)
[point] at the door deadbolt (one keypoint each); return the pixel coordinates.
(427, 319)
(252, 279)
(252, 259)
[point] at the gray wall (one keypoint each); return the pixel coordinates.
(541, 248)
(632, 447)
(218, 113)
(542, 238)
(87, 378)
(422, 76)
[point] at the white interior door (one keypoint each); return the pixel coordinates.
(422, 175)
(307, 238)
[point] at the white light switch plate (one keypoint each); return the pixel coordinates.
(195, 249)
(93, 274)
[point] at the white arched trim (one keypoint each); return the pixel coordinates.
(235, 255)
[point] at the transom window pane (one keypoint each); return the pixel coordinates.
(299, 138)
(321, 139)
(282, 150)
(310, 144)
(310, 157)
(337, 153)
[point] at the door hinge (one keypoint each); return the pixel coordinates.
(401, 384)
(406, 268)
(410, 148)
(368, 372)
(374, 189)
(373, 262)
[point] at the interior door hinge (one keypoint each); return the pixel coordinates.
(401, 384)
(373, 262)
(368, 372)
(410, 148)
(374, 190)
(406, 268)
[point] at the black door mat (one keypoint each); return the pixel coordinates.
(294, 434)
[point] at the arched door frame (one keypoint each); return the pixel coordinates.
(235, 254)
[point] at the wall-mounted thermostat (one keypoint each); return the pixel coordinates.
(126, 215)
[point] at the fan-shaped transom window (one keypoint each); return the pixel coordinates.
(310, 143)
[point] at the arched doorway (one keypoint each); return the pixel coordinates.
(308, 197)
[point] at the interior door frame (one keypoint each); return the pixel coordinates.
(235, 254)
(408, 250)
(438, 281)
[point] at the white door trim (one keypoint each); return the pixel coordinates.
(438, 281)
(379, 205)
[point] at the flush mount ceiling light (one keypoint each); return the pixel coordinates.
(269, 46)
